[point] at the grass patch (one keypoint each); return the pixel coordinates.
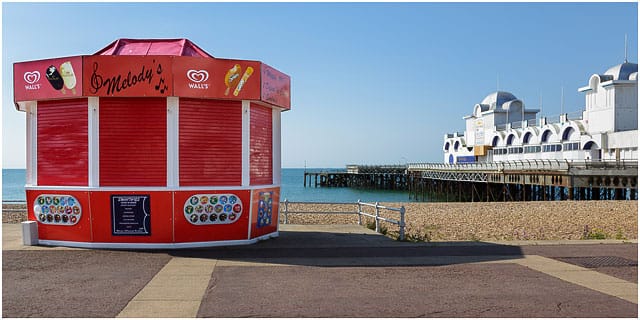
(593, 234)
(620, 235)
(427, 234)
(372, 225)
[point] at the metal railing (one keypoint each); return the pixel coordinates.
(574, 115)
(378, 218)
(284, 209)
(526, 164)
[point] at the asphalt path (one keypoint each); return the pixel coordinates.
(323, 274)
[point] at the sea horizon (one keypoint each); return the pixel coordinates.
(291, 188)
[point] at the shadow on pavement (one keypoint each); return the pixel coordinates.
(330, 249)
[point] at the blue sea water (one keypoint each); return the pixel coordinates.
(13, 181)
(292, 189)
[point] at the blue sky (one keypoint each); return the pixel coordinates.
(372, 83)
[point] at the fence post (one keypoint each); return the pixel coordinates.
(402, 223)
(286, 211)
(377, 217)
(359, 213)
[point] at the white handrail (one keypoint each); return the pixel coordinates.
(359, 212)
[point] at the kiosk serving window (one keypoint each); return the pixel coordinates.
(133, 140)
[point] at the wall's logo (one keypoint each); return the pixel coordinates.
(198, 77)
(32, 77)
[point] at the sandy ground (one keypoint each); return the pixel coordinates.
(540, 220)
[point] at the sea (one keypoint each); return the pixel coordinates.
(292, 189)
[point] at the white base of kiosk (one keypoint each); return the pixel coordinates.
(184, 245)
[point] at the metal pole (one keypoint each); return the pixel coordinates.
(359, 213)
(286, 211)
(402, 223)
(377, 216)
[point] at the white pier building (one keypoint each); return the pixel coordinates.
(502, 129)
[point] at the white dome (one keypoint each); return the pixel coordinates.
(622, 71)
(497, 99)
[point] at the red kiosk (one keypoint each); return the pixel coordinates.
(152, 144)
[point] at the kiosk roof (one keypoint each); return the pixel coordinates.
(147, 47)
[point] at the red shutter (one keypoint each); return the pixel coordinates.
(63, 140)
(210, 142)
(133, 142)
(261, 145)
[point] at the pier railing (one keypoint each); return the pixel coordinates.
(359, 206)
(532, 165)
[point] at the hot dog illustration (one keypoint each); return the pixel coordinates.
(54, 77)
(68, 76)
(244, 79)
(232, 78)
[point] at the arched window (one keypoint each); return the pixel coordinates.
(446, 147)
(526, 138)
(567, 133)
(545, 136)
(510, 139)
(494, 142)
(456, 146)
(590, 145)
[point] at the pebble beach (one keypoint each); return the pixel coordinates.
(479, 221)
(494, 221)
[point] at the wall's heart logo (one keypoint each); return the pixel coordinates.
(198, 75)
(32, 77)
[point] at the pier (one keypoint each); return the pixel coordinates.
(528, 180)
(524, 180)
(382, 177)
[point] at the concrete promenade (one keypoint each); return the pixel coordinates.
(324, 271)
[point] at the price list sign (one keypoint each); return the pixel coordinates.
(130, 215)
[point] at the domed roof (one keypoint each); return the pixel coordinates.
(496, 99)
(622, 71)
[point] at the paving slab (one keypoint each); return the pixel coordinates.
(584, 277)
(461, 290)
(73, 283)
(322, 271)
(160, 309)
(181, 283)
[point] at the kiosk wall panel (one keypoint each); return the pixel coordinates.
(133, 142)
(111, 216)
(63, 143)
(210, 146)
(261, 146)
(186, 231)
(264, 211)
(80, 231)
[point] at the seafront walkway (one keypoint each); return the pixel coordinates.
(324, 271)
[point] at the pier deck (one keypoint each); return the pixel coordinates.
(529, 180)
(383, 177)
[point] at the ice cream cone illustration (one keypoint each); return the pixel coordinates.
(232, 78)
(54, 77)
(244, 79)
(68, 76)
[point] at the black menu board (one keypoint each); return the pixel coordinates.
(130, 215)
